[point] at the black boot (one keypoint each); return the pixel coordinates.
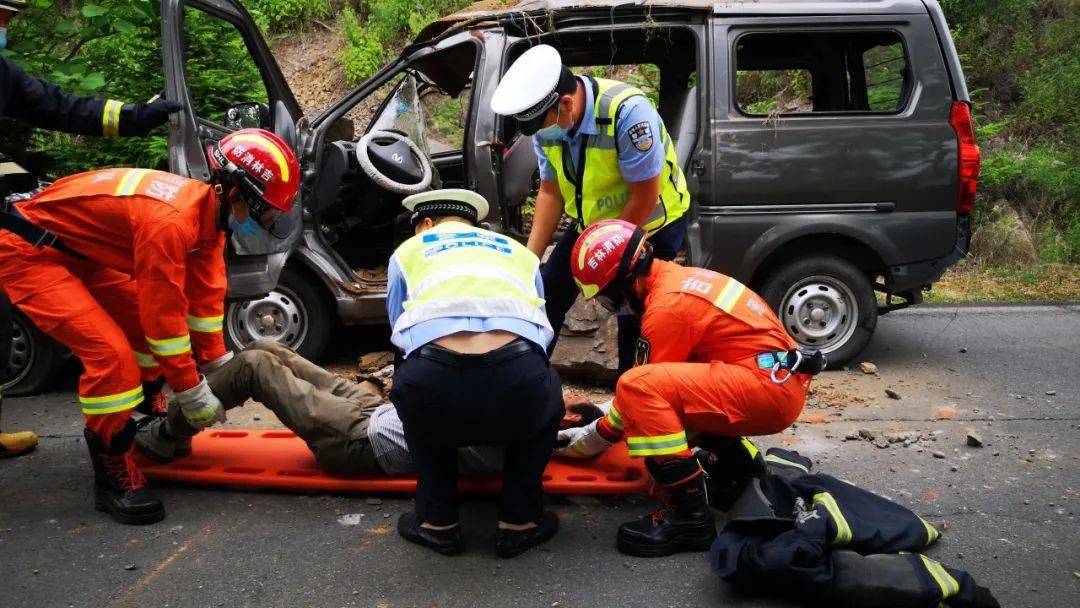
(119, 487)
(683, 522)
(729, 463)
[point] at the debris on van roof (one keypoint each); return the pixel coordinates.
(486, 10)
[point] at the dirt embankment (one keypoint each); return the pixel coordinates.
(311, 63)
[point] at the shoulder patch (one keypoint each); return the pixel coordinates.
(641, 352)
(641, 135)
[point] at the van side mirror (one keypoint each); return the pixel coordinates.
(248, 115)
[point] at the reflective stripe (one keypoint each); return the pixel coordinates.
(145, 359)
(614, 418)
(931, 533)
(751, 448)
(110, 118)
(169, 346)
(130, 182)
(485, 271)
(948, 585)
(843, 530)
(657, 446)
(112, 403)
(269, 146)
(205, 324)
(787, 463)
(729, 295)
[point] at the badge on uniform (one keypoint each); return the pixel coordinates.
(641, 136)
(641, 352)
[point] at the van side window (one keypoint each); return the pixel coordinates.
(813, 72)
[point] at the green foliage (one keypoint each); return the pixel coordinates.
(284, 15)
(387, 24)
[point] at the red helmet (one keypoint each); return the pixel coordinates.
(261, 165)
(606, 251)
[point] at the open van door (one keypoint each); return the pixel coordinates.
(219, 38)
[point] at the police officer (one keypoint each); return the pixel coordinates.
(604, 153)
(467, 310)
(42, 104)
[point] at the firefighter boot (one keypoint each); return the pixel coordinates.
(729, 463)
(683, 522)
(119, 487)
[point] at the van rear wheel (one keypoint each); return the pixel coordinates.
(826, 303)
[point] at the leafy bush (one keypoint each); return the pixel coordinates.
(283, 15)
(387, 25)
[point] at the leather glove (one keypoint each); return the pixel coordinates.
(581, 442)
(201, 408)
(138, 119)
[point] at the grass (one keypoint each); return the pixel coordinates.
(970, 281)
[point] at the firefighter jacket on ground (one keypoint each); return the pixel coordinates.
(811, 536)
(152, 259)
(42, 104)
(603, 191)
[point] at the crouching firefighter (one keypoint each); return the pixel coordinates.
(713, 364)
(42, 104)
(126, 268)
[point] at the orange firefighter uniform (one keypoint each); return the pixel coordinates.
(146, 298)
(698, 366)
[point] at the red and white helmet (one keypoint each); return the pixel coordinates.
(608, 250)
(261, 165)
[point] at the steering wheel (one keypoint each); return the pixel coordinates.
(394, 162)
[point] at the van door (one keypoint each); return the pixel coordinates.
(830, 124)
(219, 38)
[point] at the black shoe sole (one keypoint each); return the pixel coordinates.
(514, 551)
(131, 519)
(683, 543)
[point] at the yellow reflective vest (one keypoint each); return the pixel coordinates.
(603, 193)
(456, 270)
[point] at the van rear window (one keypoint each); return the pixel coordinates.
(814, 72)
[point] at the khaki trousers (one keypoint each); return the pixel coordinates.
(330, 413)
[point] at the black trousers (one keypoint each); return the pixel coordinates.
(516, 403)
(560, 291)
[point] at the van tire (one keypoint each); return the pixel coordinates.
(824, 286)
(296, 294)
(41, 360)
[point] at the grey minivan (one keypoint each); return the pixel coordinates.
(827, 145)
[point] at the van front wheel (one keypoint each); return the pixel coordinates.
(296, 313)
(825, 303)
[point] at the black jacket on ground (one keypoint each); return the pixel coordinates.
(814, 537)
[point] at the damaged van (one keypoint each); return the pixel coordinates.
(827, 145)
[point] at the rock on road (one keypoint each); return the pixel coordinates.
(1008, 374)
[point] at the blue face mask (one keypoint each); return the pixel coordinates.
(248, 227)
(555, 131)
(3, 38)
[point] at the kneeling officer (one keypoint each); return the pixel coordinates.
(467, 310)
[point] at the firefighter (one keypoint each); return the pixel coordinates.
(603, 152)
(126, 268)
(712, 360)
(42, 104)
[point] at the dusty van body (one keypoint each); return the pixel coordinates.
(853, 174)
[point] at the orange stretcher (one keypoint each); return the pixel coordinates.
(281, 460)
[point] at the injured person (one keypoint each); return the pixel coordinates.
(349, 426)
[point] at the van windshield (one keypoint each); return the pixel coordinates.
(403, 113)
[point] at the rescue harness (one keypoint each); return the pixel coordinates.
(809, 362)
(14, 222)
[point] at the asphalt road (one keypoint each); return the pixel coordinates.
(1010, 507)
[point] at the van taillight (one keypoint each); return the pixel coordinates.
(960, 119)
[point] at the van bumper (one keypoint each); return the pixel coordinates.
(917, 275)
